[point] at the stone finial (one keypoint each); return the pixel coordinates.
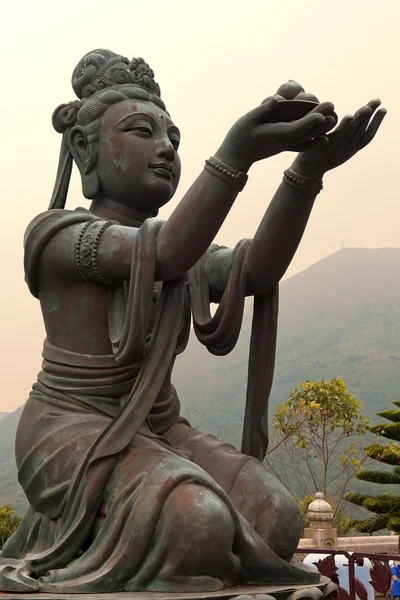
(320, 529)
(319, 513)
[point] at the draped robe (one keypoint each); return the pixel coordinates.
(101, 447)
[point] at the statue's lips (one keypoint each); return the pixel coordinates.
(164, 170)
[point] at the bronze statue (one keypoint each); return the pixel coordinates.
(124, 494)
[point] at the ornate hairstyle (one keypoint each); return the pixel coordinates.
(100, 79)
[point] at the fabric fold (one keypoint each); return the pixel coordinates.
(221, 332)
(94, 455)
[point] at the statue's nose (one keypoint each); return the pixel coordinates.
(165, 148)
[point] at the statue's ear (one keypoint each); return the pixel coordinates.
(78, 146)
(84, 156)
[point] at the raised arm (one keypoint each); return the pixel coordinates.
(197, 219)
(186, 235)
(284, 222)
(274, 244)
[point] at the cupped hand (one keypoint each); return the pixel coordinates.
(256, 136)
(292, 90)
(327, 109)
(351, 135)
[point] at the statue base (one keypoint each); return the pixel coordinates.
(324, 590)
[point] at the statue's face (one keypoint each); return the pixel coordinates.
(138, 163)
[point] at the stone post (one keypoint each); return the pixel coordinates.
(320, 528)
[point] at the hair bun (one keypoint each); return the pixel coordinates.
(100, 69)
(97, 71)
(143, 75)
(65, 116)
(92, 72)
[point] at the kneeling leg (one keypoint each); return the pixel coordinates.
(196, 532)
(267, 505)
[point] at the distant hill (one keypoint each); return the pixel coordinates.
(339, 317)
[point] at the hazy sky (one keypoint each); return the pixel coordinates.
(214, 60)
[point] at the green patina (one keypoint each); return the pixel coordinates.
(79, 312)
(123, 162)
(53, 302)
(85, 304)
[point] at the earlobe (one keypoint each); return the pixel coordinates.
(77, 142)
(84, 155)
(90, 185)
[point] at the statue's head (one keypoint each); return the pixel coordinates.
(118, 133)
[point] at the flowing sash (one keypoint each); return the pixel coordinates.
(220, 334)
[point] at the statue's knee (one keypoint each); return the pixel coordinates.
(283, 509)
(281, 527)
(197, 530)
(287, 507)
(270, 508)
(197, 513)
(290, 515)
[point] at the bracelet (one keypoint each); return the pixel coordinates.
(307, 185)
(236, 178)
(87, 249)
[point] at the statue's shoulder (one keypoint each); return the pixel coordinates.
(40, 231)
(49, 222)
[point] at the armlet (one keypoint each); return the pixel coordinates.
(87, 247)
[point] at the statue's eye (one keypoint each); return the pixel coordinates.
(140, 129)
(175, 142)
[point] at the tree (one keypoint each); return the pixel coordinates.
(9, 522)
(386, 507)
(315, 440)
